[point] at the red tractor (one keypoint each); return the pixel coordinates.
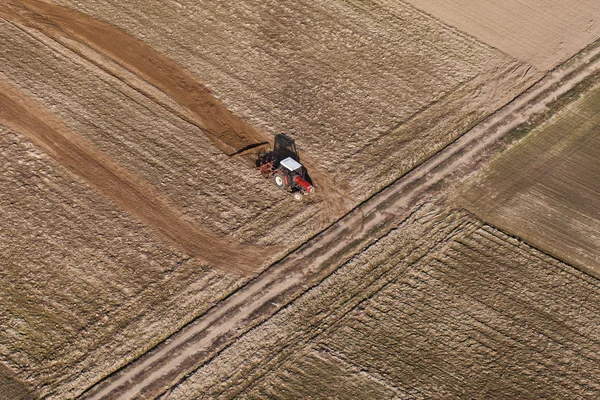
(287, 174)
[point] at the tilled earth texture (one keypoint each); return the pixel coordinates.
(443, 307)
(128, 209)
(546, 189)
(542, 33)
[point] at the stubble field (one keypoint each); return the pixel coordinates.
(546, 189)
(444, 306)
(542, 33)
(94, 276)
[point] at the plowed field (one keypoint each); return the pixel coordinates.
(442, 307)
(130, 206)
(546, 189)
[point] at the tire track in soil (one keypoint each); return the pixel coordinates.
(172, 361)
(130, 193)
(197, 106)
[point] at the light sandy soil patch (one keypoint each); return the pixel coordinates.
(542, 33)
(438, 308)
(546, 188)
(85, 287)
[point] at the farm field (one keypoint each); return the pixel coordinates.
(348, 89)
(438, 308)
(84, 286)
(130, 205)
(545, 189)
(542, 33)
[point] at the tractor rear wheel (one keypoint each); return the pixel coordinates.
(279, 180)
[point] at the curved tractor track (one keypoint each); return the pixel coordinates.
(129, 192)
(153, 374)
(160, 79)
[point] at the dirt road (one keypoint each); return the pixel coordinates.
(170, 362)
(126, 190)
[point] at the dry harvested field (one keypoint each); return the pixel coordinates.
(130, 207)
(354, 83)
(542, 33)
(76, 302)
(443, 307)
(546, 189)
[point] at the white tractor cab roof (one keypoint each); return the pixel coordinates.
(291, 164)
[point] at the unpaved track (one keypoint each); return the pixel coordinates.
(157, 77)
(126, 190)
(157, 371)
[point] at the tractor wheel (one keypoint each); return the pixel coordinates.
(298, 196)
(278, 180)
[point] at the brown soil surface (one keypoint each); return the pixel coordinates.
(437, 308)
(269, 292)
(127, 191)
(546, 189)
(368, 90)
(543, 33)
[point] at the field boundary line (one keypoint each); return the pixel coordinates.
(158, 370)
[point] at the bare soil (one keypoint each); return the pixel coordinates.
(123, 116)
(228, 132)
(128, 192)
(542, 33)
(545, 189)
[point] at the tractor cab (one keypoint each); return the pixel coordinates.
(287, 174)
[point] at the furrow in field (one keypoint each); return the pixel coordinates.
(126, 190)
(152, 70)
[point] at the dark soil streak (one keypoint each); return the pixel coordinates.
(129, 192)
(226, 131)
